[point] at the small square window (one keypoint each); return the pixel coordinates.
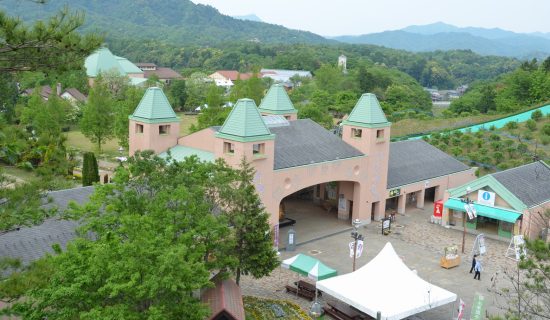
(139, 128)
(228, 147)
(164, 129)
(356, 133)
(380, 134)
(287, 117)
(258, 149)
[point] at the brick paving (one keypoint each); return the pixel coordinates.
(419, 243)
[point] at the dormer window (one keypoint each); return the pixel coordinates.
(164, 129)
(228, 147)
(258, 149)
(380, 134)
(139, 128)
(356, 133)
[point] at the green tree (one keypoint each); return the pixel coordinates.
(123, 109)
(329, 78)
(487, 101)
(155, 242)
(214, 96)
(8, 96)
(97, 122)
(178, 93)
(196, 87)
(317, 114)
(531, 125)
(46, 45)
(536, 115)
(90, 171)
(255, 88)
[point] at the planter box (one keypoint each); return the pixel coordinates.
(449, 263)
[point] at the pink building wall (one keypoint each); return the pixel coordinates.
(203, 140)
(150, 139)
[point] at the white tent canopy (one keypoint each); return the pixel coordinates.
(387, 285)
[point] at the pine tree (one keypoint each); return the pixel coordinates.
(253, 242)
(90, 173)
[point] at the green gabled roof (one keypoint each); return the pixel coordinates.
(245, 123)
(497, 187)
(154, 108)
(100, 61)
(276, 101)
(128, 66)
(367, 113)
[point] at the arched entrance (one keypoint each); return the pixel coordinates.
(317, 211)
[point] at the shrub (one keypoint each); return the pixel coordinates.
(503, 166)
(531, 125)
(494, 137)
(522, 148)
(528, 136)
(492, 128)
(511, 125)
(545, 140)
(546, 129)
(90, 172)
(536, 115)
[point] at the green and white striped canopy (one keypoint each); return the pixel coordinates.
(309, 266)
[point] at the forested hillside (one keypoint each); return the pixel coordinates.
(174, 21)
(432, 69)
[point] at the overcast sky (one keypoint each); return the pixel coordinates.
(329, 17)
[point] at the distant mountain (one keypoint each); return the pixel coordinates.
(175, 21)
(249, 17)
(441, 36)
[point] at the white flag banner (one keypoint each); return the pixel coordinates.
(359, 248)
(351, 244)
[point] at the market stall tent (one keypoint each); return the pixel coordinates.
(309, 266)
(388, 286)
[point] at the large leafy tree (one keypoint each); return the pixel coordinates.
(97, 122)
(51, 44)
(155, 241)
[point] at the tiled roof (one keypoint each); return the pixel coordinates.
(100, 61)
(226, 298)
(245, 123)
(179, 153)
(416, 160)
(32, 243)
(128, 66)
(145, 64)
(154, 107)
(367, 113)
(76, 94)
(305, 142)
(163, 73)
(234, 75)
(530, 183)
(276, 101)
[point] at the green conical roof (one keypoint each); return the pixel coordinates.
(276, 101)
(367, 113)
(100, 61)
(154, 108)
(245, 123)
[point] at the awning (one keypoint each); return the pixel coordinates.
(309, 266)
(485, 211)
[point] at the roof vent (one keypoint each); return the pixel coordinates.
(273, 121)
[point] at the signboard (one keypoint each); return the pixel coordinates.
(426, 183)
(386, 225)
(438, 209)
(486, 198)
(478, 308)
(460, 310)
(395, 192)
(469, 211)
(479, 245)
(342, 203)
(359, 249)
(516, 247)
(276, 235)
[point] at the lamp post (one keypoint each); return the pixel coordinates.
(468, 202)
(356, 237)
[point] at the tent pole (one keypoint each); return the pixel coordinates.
(378, 315)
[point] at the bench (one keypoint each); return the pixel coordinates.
(303, 285)
(285, 222)
(301, 292)
(343, 311)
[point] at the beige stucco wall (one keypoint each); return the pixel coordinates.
(534, 220)
(150, 139)
(203, 139)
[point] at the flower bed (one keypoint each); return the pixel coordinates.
(261, 308)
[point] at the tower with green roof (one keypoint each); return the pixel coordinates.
(154, 125)
(277, 102)
(367, 129)
(245, 135)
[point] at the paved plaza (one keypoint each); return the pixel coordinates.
(417, 241)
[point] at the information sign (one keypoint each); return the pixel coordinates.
(395, 192)
(386, 225)
(486, 198)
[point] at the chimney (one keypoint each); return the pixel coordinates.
(59, 89)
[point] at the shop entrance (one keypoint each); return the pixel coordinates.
(429, 194)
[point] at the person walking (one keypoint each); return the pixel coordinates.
(477, 270)
(473, 263)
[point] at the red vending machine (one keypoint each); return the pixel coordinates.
(438, 211)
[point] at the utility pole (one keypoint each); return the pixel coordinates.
(465, 217)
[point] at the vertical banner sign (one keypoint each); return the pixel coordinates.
(276, 235)
(481, 244)
(359, 248)
(460, 310)
(438, 209)
(351, 244)
(469, 211)
(478, 308)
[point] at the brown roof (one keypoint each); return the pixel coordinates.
(45, 91)
(234, 75)
(224, 299)
(163, 73)
(145, 64)
(76, 94)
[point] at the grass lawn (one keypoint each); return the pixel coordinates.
(412, 126)
(256, 308)
(22, 174)
(75, 139)
(186, 122)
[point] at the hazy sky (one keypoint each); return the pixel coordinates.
(328, 17)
